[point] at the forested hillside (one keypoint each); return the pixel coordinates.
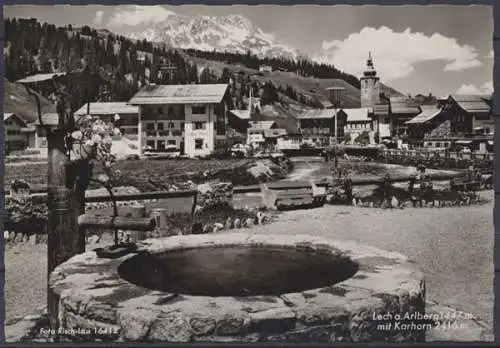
(120, 67)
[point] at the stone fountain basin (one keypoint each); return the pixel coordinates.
(110, 298)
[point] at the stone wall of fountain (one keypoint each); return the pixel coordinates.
(348, 292)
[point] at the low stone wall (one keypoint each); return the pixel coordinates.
(353, 310)
(463, 327)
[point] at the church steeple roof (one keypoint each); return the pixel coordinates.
(370, 69)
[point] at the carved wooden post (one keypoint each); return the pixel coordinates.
(62, 239)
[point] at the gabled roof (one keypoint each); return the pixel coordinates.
(49, 119)
(9, 115)
(357, 115)
(110, 108)
(424, 116)
(241, 114)
(317, 113)
(179, 94)
(472, 103)
(402, 105)
(262, 125)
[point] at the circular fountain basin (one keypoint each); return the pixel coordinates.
(241, 287)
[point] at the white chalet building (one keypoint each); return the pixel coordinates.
(189, 117)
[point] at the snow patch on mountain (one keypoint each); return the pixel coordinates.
(233, 33)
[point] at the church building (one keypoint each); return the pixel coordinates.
(373, 98)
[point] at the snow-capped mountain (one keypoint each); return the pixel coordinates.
(233, 33)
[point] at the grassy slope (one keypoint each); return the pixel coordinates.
(17, 100)
(307, 86)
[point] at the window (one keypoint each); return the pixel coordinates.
(171, 112)
(172, 142)
(151, 143)
(198, 144)
(171, 125)
(150, 126)
(182, 125)
(199, 125)
(160, 111)
(199, 110)
(160, 126)
(161, 145)
(487, 130)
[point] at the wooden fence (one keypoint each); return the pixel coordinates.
(440, 154)
(292, 185)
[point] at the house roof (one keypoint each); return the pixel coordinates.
(8, 115)
(274, 133)
(424, 116)
(317, 113)
(262, 125)
(49, 119)
(179, 94)
(110, 108)
(40, 77)
(473, 103)
(242, 114)
(357, 115)
(402, 105)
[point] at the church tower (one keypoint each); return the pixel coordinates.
(370, 85)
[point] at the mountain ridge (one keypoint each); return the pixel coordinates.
(232, 33)
(123, 69)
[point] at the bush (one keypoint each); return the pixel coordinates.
(25, 216)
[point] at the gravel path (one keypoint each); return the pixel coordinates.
(454, 246)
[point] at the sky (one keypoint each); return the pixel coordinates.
(439, 49)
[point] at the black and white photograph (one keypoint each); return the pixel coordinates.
(248, 174)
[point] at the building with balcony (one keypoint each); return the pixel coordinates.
(122, 115)
(402, 109)
(190, 117)
(317, 126)
(15, 136)
(358, 121)
(256, 131)
(431, 122)
(264, 134)
(470, 114)
(37, 134)
(457, 121)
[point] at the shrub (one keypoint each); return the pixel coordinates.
(25, 216)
